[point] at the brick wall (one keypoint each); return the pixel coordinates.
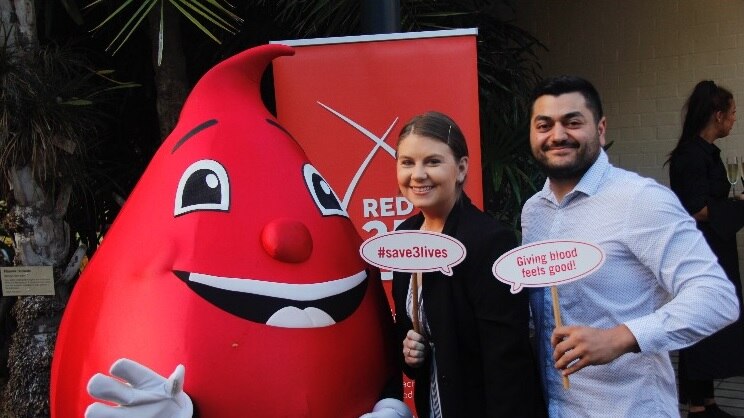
(644, 57)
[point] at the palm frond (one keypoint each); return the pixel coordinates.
(316, 18)
(47, 117)
(206, 15)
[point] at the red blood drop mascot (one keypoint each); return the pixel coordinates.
(234, 258)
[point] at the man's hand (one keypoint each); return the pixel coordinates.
(139, 393)
(577, 346)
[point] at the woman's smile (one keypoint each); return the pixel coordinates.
(421, 189)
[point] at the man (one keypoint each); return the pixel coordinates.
(660, 288)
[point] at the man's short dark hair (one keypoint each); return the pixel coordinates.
(563, 84)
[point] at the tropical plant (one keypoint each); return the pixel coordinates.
(169, 62)
(508, 166)
(202, 14)
(47, 121)
(307, 19)
(50, 115)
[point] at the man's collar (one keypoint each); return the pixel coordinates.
(590, 181)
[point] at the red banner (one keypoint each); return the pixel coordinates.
(345, 100)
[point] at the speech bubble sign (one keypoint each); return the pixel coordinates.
(413, 251)
(547, 263)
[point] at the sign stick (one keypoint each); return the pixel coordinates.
(415, 301)
(558, 321)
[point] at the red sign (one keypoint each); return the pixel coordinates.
(346, 99)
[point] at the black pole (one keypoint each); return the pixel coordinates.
(380, 16)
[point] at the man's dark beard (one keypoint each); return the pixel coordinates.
(572, 172)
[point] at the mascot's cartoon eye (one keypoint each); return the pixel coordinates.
(203, 186)
(322, 194)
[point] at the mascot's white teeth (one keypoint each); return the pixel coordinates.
(291, 317)
(299, 292)
(284, 305)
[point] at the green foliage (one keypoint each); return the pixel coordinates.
(508, 166)
(47, 120)
(206, 15)
(318, 18)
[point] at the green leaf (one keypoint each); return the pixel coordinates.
(193, 20)
(113, 14)
(202, 14)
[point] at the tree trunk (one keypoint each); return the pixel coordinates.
(19, 16)
(42, 238)
(30, 357)
(171, 84)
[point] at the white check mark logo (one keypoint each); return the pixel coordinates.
(379, 143)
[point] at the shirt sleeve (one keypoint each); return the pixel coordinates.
(689, 177)
(666, 240)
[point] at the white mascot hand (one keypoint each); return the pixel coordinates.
(141, 393)
(389, 408)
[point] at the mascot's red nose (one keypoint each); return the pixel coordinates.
(287, 240)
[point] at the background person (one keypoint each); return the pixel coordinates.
(698, 177)
(659, 289)
(472, 357)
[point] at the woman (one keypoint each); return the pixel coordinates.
(698, 177)
(471, 356)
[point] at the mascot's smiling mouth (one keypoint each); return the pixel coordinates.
(281, 305)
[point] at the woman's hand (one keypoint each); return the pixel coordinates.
(414, 349)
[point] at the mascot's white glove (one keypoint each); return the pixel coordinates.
(142, 394)
(389, 408)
